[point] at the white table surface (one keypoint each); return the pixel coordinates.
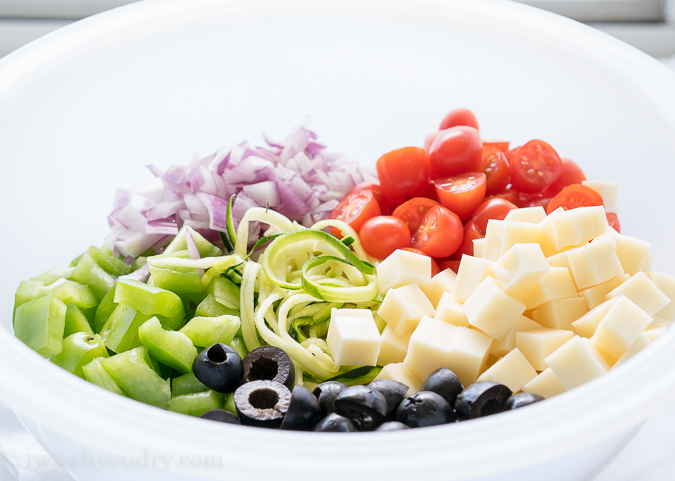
(648, 457)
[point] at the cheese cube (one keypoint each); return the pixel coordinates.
(491, 310)
(620, 327)
(588, 323)
(394, 348)
(560, 260)
(538, 344)
(533, 215)
(402, 268)
(643, 292)
(512, 370)
(640, 343)
(492, 247)
(560, 313)
(648, 262)
(429, 346)
(471, 272)
(442, 282)
(521, 269)
(517, 233)
(508, 344)
(607, 190)
(353, 338)
(478, 247)
(595, 263)
(594, 296)
(666, 284)
(546, 236)
(557, 284)
(468, 354)
(450, 310)
(546, 384)
(632, 252)
(403, 307)
(398, 372)
(576, 226)
(576, 362)
(659, 320)
(654, 332)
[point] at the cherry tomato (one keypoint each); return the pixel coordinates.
(573, 196)
(494, 208)
(501, 145)
(534, 201)
(452, 264)
(440, 233)
(434, 265)
(534, 166)
(404, 173)
(383, 202)
(509, 194)
(571, 174)
(462, 193)
(613, 221)
(459, 117)
(355, 209)
(471, 232)
(383, 234)
(496, 168)
(431, 192)
(413, 211)
(455, 151)
(429, 139)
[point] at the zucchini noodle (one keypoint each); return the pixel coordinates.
(270, 217)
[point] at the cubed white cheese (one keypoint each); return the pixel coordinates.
(546, 384)
(478, 247)
(398, 372)
(517, 233)
(353, 338)
(556, 284)
(442, 282)
(471, 272)
(468, 354)
(666, 284)
(588, 323)
(513, 371)
(429, 346)
(508, 344)
(492, 247)
(632, 252)
(538, 344)
(648, 262)
(620, 327)
(521, 268)
(546, 236)
(576, 226)
(595, 263)
(577, 362)
(402, 268)
(640, 343)
(643, 292)
(654, 332)
(450, 310)
(394, 348)
(403, 307)
(560, 313)
(594, 296)
(491, 310)
(607, 190)
(533, 215)
(560, 260)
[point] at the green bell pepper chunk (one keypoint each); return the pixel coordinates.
(238, 344)
(153, 301)
(79, 349)
(89, 272)
(51, 276)
(111, 264)
(74, 292)
(206, 331)
(105, 309)
(95, 374)
(229, 404)
(187, 384)
(120, 332)
(76, 321)
(172, 348)
(205, 248)
(225, 292)
(40, 324)
(196, 404)
(209, 307)
(180, 280)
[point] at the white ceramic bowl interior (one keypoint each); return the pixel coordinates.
(82, 111)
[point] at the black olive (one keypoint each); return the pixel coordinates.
(444, 382)
(366, 407)
(326, 392)
(425, 408)
(522, 399)
(269, 363)
(219, 367)
(303, 412)
(392, 426)
(334, 423)
(221, 415)
(262, 403)
(481, 399)
(393, 391)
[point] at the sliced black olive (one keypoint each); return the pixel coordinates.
(262, 403)
(481, 399)
(393, 391)
(444, 382)
(425, 408)
(392, 426)
(522, 399)
(326, 392)
(269, 363)
(219, 367)
(304, 411)
(334, 423)
(221, 415)
(366, 407)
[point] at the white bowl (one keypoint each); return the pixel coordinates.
(85, 108)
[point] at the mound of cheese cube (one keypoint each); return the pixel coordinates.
(547, 303)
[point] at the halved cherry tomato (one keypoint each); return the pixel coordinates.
(494, 208)
(434, 265)
(613, 221)
(534, 201)
(455, 151)
(534, 166)
(573, 196)
(571, 174)
(383, 202)
(383, 234)
(509, 194)
(496, 168)
(471, 232)
(355, 209)
(454, 265)
(431, 192)
(459, 117)
(413, 211)
(440, 233)
(501, 145)
(462, 193)
(403, 173)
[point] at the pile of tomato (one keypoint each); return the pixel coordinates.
(436, 200)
